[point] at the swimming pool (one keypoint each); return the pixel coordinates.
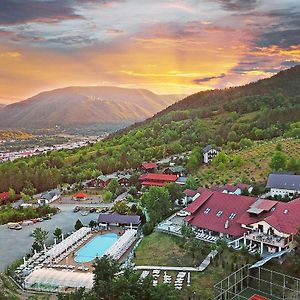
(96, 247)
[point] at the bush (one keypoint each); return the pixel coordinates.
(148, 228)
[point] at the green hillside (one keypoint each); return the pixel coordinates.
(264, 110)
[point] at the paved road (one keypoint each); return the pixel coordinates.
(15, 244)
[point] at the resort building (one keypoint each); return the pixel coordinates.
(283, 185)
(102, 181)
(233, 189)
(115, 219)
(157, 179)
(261, 225)
(175, 170)
(209, 152)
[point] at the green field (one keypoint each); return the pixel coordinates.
(166, 250)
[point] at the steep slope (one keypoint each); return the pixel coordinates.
(82, 106)
(286, 82)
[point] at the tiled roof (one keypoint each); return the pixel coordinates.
(219, 208)
(4, 196)
(153, 183)
(158, 177)
(149, 166)
(190, 193)
(284, 181)
(80, 195)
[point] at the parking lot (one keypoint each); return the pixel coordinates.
(15, 244)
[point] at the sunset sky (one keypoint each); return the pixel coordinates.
(167, 46)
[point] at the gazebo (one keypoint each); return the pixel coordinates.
(80, 196)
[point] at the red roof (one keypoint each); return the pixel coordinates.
(154, 183)
(4, 196)
(158, 177)
(224, 204)
(199, 201)
(286, 217)
(265, 204)
(80, 195)
(243, 186)
(190, 193)
(149, 166)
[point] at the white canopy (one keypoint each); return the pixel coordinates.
(59, 278)
(68, 242)
(122, 244)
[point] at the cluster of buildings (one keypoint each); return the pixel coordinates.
(11, 156)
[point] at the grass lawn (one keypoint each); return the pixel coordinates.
(166, 250)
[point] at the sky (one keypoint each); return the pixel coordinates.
(167, 46)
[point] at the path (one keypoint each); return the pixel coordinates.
(207, 260)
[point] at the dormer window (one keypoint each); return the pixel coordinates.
(219, 213)
(207, 210)
(285, 211)
(232, 216)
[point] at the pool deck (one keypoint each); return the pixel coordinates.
(70, 259)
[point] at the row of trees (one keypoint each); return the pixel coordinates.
(124, 286)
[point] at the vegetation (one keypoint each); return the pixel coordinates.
(231, 117)
(40, 237)
(9, 214)
(124, 286)
(174, 251)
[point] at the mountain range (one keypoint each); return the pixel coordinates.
(74, 106)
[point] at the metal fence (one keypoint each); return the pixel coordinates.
(269, 283)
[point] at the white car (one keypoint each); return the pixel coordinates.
(182, 213)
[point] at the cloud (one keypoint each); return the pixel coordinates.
(14, 12)
(238, 5)
(206, 79)
(114, 31)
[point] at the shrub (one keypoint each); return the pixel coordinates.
(148, 228)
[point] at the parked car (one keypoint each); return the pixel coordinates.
(15, 226)
(76, 209)
(84, 213)
(26, 223)
(182, 213)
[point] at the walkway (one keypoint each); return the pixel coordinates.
(207, 260)
(163, 268)
(201, 268)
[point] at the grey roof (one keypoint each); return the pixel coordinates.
(207, 148)
(284, 181)
(117, 218)
(50, 194)
(181, 179)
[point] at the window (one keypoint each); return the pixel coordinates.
(232, 216)
(219, 213)
(207, 210)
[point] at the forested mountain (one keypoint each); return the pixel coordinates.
(84, 105)
(230, 118)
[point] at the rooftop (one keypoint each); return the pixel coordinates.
(284, 181)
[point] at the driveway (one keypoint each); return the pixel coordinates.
(15, 244)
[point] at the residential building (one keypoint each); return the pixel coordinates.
(283, 185)
(48, 197)
(149, 167)
(175, 170)
(115, 219)
(209, 152)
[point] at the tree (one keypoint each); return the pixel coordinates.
(114, 187)
(12, 194)
(93, 224)
(57, 233)
(78, 225)
(40, 237)
(193, 162)
(175, 191)
(220, 160)
(236, 161)
(107, 196)
(157, 202)
(293, 164)
(25, 197)
(278, 161)
(191, 183)
(120, 207)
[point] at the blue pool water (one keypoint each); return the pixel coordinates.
(96, 247)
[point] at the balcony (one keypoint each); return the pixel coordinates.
(272, 240)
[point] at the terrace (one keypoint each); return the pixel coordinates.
(272, 240)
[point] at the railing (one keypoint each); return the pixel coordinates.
(267, 239)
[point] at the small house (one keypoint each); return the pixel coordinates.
(209, 152)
